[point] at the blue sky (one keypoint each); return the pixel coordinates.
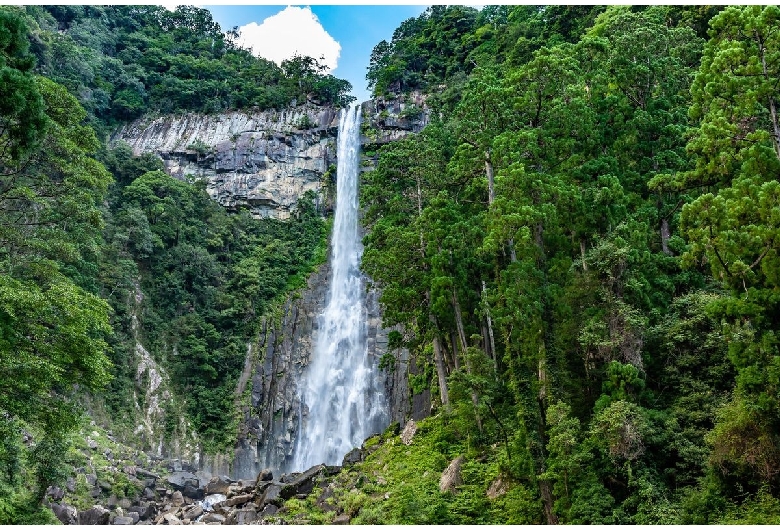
(357, 29)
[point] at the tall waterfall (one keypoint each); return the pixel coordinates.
(341, 397)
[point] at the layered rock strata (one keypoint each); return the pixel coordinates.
(264, 161)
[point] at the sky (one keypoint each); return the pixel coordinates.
(343, 34)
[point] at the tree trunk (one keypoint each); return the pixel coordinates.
(441, 373)
(455, 358)
(665, 235)
(582, 253)
(489, 174)
(547, 501)
(490, 329)
(464, 346)
(772, 104)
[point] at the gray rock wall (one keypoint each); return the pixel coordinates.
(263, 161)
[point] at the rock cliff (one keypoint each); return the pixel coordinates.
(263, 161)
(271, 409)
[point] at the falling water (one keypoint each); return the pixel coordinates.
(341, 395)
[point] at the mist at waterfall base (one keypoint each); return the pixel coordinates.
(342, 397)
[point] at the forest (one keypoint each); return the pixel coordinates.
(580, 251)
(87, 229)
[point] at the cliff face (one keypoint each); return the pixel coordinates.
(271, 406)
(263, 160)
(266, 161)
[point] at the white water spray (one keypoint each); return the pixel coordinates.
(342, 394)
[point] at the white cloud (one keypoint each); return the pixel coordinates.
(293, 30)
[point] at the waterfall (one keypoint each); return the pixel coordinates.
(342, 398)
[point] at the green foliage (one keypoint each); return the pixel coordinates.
(124, 61)
(207, 277)
(581, 250)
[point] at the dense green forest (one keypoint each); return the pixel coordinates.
(582, 250)
(86, 230)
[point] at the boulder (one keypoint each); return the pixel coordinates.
(141, 472)
(272, 494)
(177, 499)
(451, 478)
(209, 503)
(180, 479)
(239, 499)
(192, 512)
(353, 457)
(55, 493)
(95, 515)
(123, 520)
(264, 476)
(193, 492)
(171, 519)
(322, 501)
(302, 483)
(245, 516)
(213, 518)
(341, 519)
(65, 513)
(218, 485)
(497, 488)
(269, 510)
(408, 433)
(144, 512)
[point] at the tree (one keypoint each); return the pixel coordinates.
(735, 229)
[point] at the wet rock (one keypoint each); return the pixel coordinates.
(352, 458)
(451, 478)
(269, 510)
(95, 515)
(209, 503)
(218, 485)
(408, 433)
(65, 513)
